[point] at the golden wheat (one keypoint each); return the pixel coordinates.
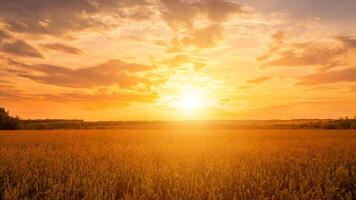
(178, 164)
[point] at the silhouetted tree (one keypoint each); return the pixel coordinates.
(8, 122)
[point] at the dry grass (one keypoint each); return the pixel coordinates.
(180, 164)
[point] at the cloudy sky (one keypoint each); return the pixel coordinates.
(173, 60)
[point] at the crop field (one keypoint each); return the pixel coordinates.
(185, 164)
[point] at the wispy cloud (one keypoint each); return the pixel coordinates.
(326, 55)
(62, 48)
(346, 75)
(57, 17)
(259, 80)
(199, 22)
(18, 47)
(106, 74)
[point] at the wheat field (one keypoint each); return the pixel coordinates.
(178, 164)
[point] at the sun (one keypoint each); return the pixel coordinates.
(189, 101)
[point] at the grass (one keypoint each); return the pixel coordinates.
(178, 164)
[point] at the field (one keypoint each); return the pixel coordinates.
(178, 164)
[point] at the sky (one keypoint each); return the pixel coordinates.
(178, 60)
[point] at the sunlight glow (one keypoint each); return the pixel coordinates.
(189, 101)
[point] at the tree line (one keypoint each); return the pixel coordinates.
(8, 122)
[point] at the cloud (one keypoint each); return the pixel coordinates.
(259, 80)
(100, 96)
(181, 59)
(349, 42)
(62, 48)
(308, 108)
(326, 55)
(11, 93)
(244, 87)
(353, 89)
(99, 99)
(106, 74)
(200, 23)
(277, 42)
(61, 18)
(205, 37)
(94, 100)
(3, 81)
(4, 35)
(327, 10)
(178, 13)
(20, 48)
(346, 75)
(178, 60)
(58, 17)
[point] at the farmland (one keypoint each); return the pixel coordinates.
(178, 164)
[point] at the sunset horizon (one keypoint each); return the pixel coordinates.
(176, 60)
(178, 99)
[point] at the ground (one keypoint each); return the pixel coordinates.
(178, 164)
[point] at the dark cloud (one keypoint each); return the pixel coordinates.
(58, 17)
(63, 48)
(346, 75)
(20, 48)
(349, 42)
(109, 73)
(259, 80)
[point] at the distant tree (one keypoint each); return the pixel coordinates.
(353, 125)
(8, 122)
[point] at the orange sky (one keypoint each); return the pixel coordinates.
(174, 60)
